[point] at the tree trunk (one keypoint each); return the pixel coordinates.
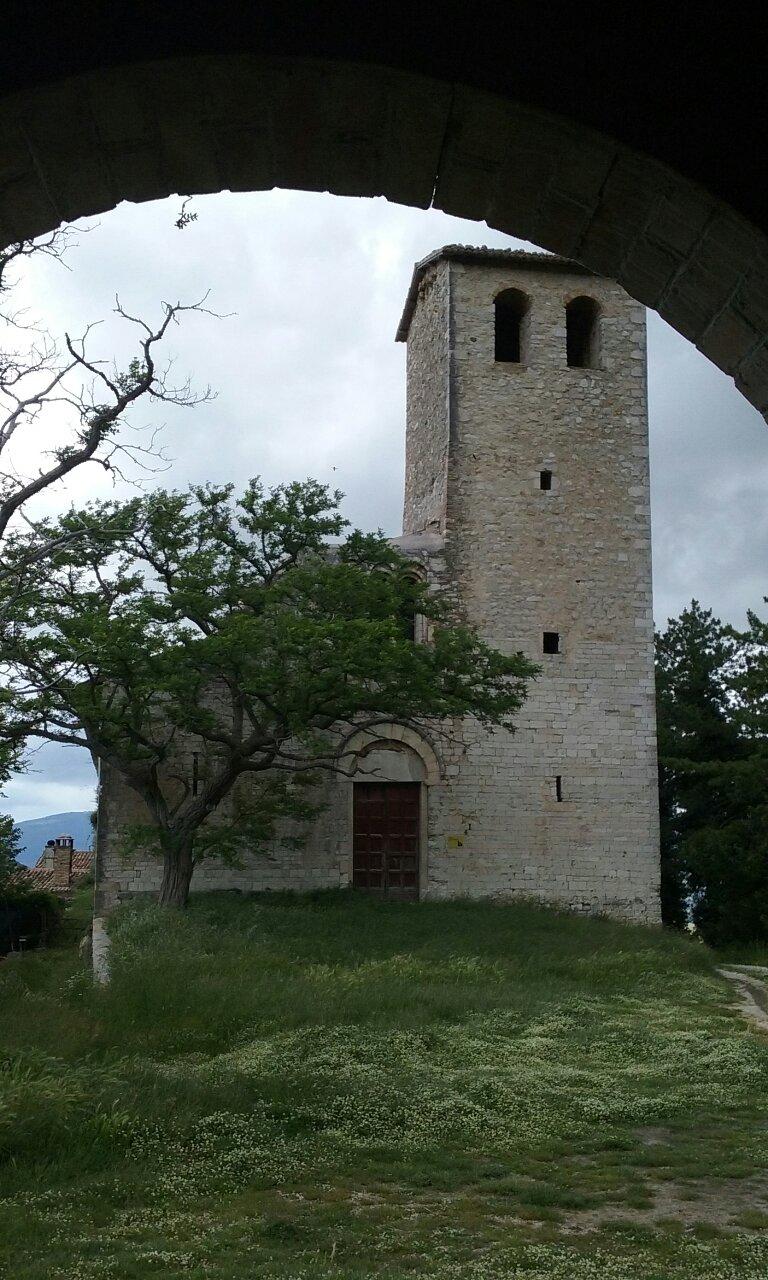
(177, 873)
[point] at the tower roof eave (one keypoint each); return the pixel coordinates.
(474, 253)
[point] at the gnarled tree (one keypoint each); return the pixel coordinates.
(61, 390)
(191, 623)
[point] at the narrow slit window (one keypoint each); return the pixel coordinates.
(545, 480)
(195, 773)
(559, 788)
(511, 327)
(582, 333)
(551, 642)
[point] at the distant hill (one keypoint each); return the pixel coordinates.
(35, 832)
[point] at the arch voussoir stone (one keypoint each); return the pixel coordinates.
(208, 122)
(364, 740)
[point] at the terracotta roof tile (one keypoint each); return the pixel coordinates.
(42, 877)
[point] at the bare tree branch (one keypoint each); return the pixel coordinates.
(41, 383)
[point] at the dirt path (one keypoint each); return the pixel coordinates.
(730, 1204)
(751, 984)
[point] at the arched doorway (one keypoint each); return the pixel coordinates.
(395, 768)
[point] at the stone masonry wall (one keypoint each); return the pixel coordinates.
(517, 560)
(575, 560)
(323, 862)
(426, 442)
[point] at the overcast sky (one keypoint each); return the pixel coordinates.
(310, 382)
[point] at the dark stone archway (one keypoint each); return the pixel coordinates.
(623, 144)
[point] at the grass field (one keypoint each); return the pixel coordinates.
(329, 1087)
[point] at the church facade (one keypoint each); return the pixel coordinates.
(527, 501)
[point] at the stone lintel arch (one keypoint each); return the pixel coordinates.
(583, 291)
(392, 735)
(208, 122)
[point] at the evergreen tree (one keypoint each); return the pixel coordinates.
(693, 728)
(712, 698)
(729, 859)
(10, 848)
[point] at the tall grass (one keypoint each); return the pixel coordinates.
(285, 1046)
(231, 966)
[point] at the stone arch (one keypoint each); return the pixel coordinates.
(418, 629)
(389, 735)
(208, 122)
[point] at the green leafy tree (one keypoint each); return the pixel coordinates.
(712, 684)
(694, 729)
(10, 848)
(62, 392)
(191, 640)
(729, 858)
(748, 681)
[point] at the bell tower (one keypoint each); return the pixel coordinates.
(527, 454)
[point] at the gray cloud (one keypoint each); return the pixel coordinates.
(58, 779)
(311, 382)
(709, 479)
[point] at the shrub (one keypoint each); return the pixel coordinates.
(28, 918)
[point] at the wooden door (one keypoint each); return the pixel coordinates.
(385, 858)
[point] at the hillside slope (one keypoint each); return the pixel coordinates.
(330, 1087)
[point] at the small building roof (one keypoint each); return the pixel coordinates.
(43, 877)
(474, 253)
(425, 542)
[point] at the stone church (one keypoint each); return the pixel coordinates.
(527, 498)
